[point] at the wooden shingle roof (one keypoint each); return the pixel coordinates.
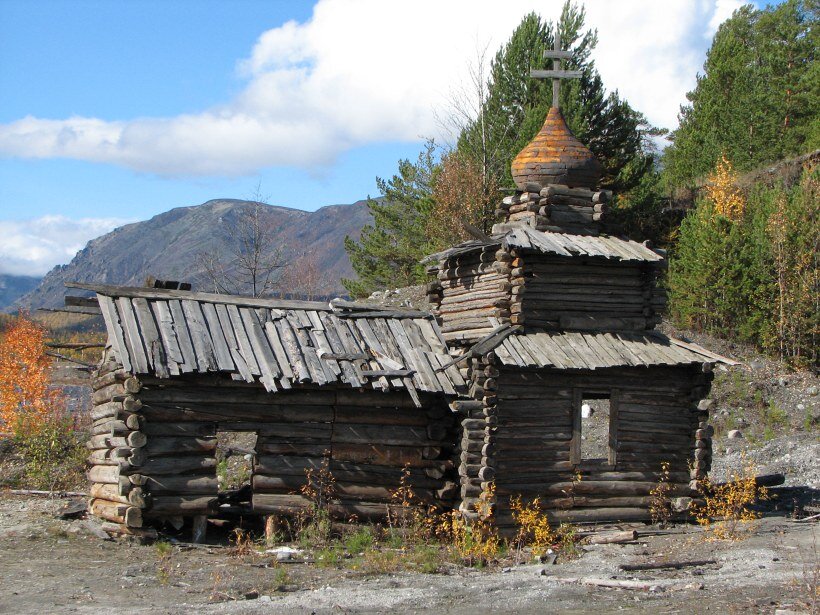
(559, 244)
(587, 350)
(279, 343)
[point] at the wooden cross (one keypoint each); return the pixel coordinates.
(557, 73)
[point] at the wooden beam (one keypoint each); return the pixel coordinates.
(555, 74)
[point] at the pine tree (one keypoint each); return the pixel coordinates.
(388, 251)
(757, 99)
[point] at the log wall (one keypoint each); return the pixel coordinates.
(471, 293)
(584, 293)
(522, 432)
(557, 208)
(167, 468)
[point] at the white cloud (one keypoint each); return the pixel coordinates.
(365, 71)
(34, 246)
(723, 11)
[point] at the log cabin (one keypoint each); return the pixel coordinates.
(359, 391)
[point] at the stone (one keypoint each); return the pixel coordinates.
(782, 382)
(801, 407)
(586, 411)
(681, 504)
(812, 391)
(734, 434)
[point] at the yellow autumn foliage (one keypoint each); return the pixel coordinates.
(721, 188)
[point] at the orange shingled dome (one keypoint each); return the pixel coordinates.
(555, 156)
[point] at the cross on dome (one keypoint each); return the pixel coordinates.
(557, 55)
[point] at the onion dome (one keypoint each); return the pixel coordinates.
(555, 156)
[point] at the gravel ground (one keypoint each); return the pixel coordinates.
(52, 566)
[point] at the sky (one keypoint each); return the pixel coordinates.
(112, 111)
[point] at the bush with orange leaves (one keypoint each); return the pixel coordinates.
(25, 398)
(45, 435)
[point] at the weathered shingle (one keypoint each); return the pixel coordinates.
(558, 244)
(279, 343)
(586, 350)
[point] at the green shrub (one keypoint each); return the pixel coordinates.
(54, 454)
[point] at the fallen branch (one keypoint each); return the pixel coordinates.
(613, 583)
(627, 584)
(51, 494)
(662, 565)
(812, 518)
(605, 538)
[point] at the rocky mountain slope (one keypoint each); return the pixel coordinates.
(171, 246)
(12, 287)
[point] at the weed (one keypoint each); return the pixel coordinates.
(475, 541)
(425, 558)
(567, 535)
(534, 528)
(406, 515)
(313, 524)
(725, 512)
(243, 544)
(54, 454)
(360, 541)
(163, 548)
(280, 580)
(164, 552)
(222, 471)
(809, 421)
(660, 506)
(330, 557)
(377, 561)
(775, 416)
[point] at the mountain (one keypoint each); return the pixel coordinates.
(172, 245)
(12, 287)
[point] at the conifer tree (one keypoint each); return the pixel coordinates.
(757, 99)
(389, 250)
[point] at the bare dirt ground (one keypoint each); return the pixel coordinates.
(48, 565)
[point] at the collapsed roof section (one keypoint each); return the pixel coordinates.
(279, 343)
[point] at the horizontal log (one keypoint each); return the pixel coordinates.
(351, 491)
(106, 410)
(181, 505)
(285, 504)
(182, 485)
(586, 515)
(109, 378)
(159, 446)
(109, 427)
(190, 429)
(133, 439)
(176, 465)
(104, 474)
(109, 492)
(130, 516)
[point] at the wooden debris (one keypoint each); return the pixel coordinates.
(677, 565)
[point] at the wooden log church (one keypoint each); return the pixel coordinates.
(537, 333)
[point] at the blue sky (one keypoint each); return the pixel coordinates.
(116, 111)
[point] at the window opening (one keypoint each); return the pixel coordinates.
(235, 454)
(594, 428)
